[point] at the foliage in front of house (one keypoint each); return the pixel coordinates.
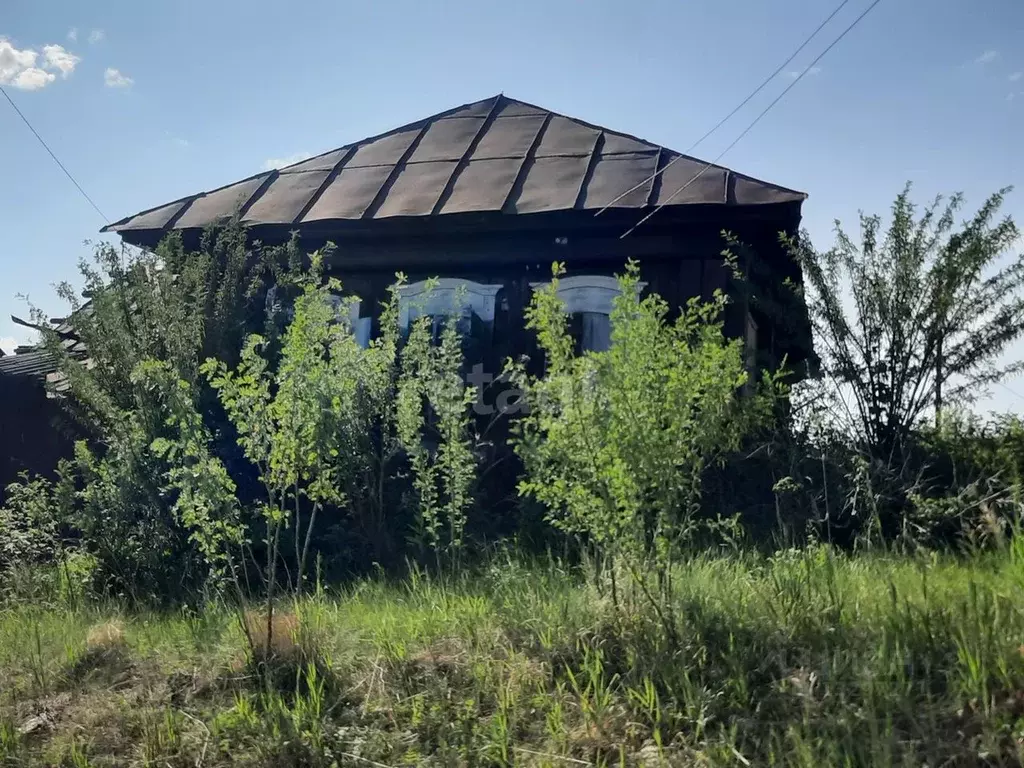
(728, 573)
(239, 438)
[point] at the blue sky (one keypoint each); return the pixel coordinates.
(146, 102)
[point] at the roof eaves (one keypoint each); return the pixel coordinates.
(119, 224)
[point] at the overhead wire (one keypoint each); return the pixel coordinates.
(1013, 392)
(52, 155)
(764, 84)
(757, 119)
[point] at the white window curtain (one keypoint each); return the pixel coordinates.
(591, 297)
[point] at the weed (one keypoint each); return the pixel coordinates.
(808, 657)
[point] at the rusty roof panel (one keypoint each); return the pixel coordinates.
(567, 137)
(747, 191)
(476, 109)
(285, 198)
(510, 108)
(616, 143)
(416, 189)
(508, 137)
(550, 184)
(447, 139)
(155, 219)
(324, 162)
(349, 194)
(483, 185)
(220, 205)
(688, 181)
(387, 150)
(614, 175)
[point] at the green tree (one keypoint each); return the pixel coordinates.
(914, 317)
(329, 424)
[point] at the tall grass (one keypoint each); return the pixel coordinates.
(808, 657)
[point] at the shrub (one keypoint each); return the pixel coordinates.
(615, 443)
(171, 305)
(39, 559)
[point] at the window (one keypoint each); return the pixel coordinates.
(277, 305)
(588, 299)
(360, 325)
(473, 303)
(473, 299)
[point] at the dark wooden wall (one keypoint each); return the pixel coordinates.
(35, 433)
(680, 252)
(677, 265)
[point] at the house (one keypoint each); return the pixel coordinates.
(487, 195)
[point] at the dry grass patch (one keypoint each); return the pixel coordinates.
(277, 641)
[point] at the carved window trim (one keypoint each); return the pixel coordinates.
(475, 298)
(589, 296)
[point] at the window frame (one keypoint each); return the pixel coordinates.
(588, 294)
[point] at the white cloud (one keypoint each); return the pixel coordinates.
(1016, 76)
(12, 60)
(22, 68)
(32, 79)
(1010, 96)
(114, 78)
(96, 36)
(987, 57)
(73, 34)
(793, 74)
(58, 58)
(18, 68)
(281, 162)
(8, 343)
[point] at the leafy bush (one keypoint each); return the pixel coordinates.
(177, 307)
(330, 423)
(969, 484)
(615, 443)
(39, 560)
(432, 393)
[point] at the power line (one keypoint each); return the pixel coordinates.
(757, 119)
(1011, 391)
(50, 151)
(727, 118)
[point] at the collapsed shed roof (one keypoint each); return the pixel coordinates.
(36, 363)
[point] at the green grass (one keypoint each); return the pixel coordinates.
(808, 658)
